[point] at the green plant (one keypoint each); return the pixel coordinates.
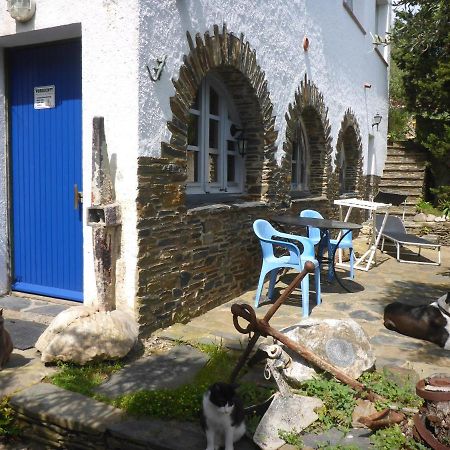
(427, 208)
(338, 402)
(7, 422)
(402, 394)
(392, 438)
(184, 402)
(83, 379)
(291, 437)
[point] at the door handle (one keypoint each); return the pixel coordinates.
(77, 196)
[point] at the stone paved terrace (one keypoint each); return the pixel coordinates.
(387, 282)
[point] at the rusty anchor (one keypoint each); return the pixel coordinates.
(261, 327)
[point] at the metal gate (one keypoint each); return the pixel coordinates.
(46, 172)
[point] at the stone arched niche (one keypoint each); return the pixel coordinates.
(309, 108)
(349, 143)
(231, 59)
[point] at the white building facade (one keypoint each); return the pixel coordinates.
(260, 107)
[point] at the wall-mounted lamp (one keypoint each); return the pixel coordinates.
(21, 10)
(241, 140)
(376, 120)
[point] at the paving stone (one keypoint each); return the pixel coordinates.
(70, 410)
(47, 310)
(23, 369)
(14, 303)
(24, 333)
(364, 315)
(165, 371)
(356, 437)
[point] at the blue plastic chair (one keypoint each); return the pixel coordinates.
(314, 233)
(295, 260)
(346, 242)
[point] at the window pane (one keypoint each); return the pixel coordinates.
(231, 168)
(192, 166)
(231, 146)
(193, 130)
(213, 133)
(213, 102)
(294, 180)
(213, 168)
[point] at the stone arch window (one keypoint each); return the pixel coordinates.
(214, 163)
(309, 115)
(348, 162)
(226, 61)
(300, 161)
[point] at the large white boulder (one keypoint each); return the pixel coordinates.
(285, 413)
(342, 343)
(81, 334)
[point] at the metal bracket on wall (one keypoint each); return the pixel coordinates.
(160, 63)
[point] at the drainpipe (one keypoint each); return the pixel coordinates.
(104, 218)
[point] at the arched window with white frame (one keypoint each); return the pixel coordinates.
(300, 161)
(214, 163)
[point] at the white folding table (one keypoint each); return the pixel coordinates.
(369, 256)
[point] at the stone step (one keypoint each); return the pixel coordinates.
(404, 166)
(411, 186)
(405, 159)
(394, 151)
(58, 418)
(399, 175)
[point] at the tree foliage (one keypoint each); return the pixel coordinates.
(421, 49)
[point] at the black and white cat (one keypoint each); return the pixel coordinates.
(223, 416)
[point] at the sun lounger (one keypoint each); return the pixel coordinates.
(395, 231)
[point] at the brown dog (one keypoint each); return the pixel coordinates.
(6, 345)
(428, 322)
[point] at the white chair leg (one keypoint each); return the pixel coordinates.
(305, 295)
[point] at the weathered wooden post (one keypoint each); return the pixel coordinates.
(81, 334)
(104, 217)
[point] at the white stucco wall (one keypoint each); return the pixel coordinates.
(340, 60)
(108, 29)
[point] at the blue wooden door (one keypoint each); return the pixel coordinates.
(46, 171)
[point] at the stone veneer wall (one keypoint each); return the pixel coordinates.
(230, 58)
(309, 106)
(189, 260)
(350, 137)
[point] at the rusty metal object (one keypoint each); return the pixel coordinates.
(435, 390)
(104, 218)
(382, 419)
(434, 395)
(422, 432)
